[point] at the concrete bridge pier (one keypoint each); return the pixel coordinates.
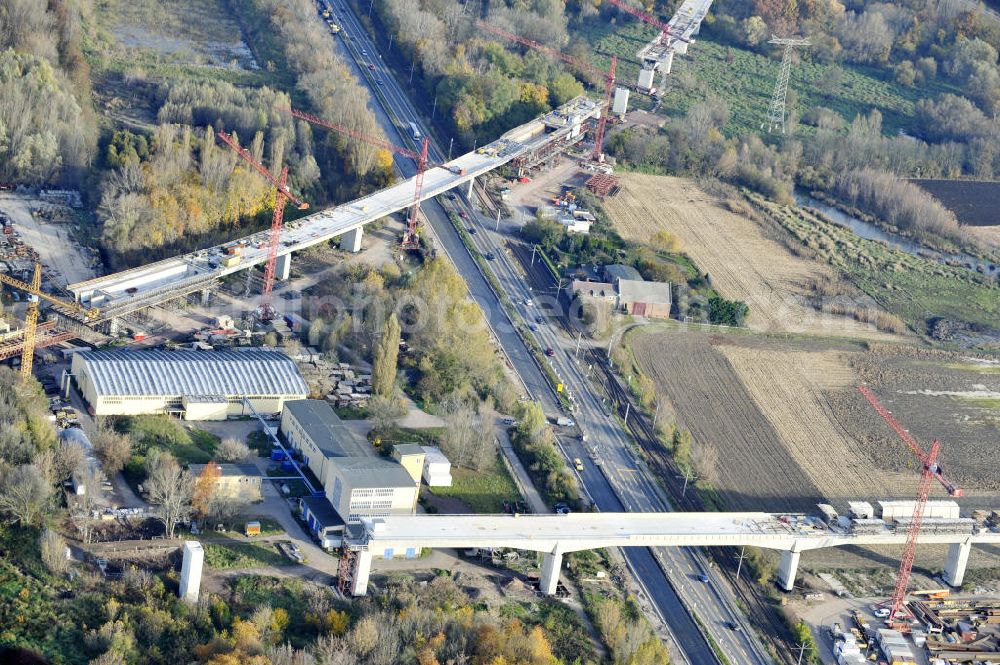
(206, 295)
(958, 558)
(283, 266)
(681, 47)
(788, 567)
(362, 569)
(114, 326)
(351, 241)
(551, 565)
(468, 193)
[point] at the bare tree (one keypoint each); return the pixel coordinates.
(113, 448)
(24, 494)
(53, 550)
(232, 450)
(225, 510)
(384, 411)
(170, 488)
(70, 458)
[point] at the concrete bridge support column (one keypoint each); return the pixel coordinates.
(283, 266)
(468, 193)
(551, 565)
(194, 558)
(114, 326)
(697, 28)
(205, 296)
(789, 566)
(351, 241)
(958, 558)
(362, 569)
(681, 47)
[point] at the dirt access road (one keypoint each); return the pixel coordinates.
(741, 260)
(66, 261)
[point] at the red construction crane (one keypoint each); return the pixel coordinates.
(930, 470)
(410, 239)
(908, 440)
(665, 29)
(282, 195)
(609, 76)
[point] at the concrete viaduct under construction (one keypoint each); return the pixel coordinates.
(556, 535)
(125, 292)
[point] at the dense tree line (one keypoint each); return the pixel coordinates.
(175, 188)
(47, 130)
(484, 87)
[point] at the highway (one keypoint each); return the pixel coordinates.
(713, 603)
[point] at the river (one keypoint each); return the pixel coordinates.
(870, 231)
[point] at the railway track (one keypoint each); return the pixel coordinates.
(772, 628)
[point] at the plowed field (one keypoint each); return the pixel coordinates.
(742, 262)
(790, 427)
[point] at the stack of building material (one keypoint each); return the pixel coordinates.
(891, 510)
(895, 648)
(867, 526)
(437, 468)
(861, 510)
(847, 651)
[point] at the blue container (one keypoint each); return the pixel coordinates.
(278, 455)
(287, 465)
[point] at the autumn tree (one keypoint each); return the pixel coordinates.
(204, 487)
(386, 357)
(113, 448)
(24, 494)
(170, 488)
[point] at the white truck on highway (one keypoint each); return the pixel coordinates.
(563, 421)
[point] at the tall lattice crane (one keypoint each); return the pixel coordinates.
(410, 238)
(930, 470)
(609, 76)
(282, 195)
(35, 294)
(776, 112)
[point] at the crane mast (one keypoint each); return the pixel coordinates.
(410, 238)
(282, 196)
(929, 470)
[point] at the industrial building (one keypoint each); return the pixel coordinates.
(240, 482)
(367, 487)
(322, 521)
(194, 385)
(356, 482)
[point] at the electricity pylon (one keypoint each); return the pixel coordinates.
(776, 115)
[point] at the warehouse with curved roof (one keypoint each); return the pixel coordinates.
(194, 385)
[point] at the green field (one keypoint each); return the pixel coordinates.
(481, 491)
(745, 80)
(911, 287)
(243, 555)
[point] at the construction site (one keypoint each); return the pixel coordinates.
(857, 458)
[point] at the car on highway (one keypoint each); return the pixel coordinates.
(732, 625)
(702, 577)
(463, 214)
(453, 197)
(379, 80)
(490, 256)
(578, 464)
(527, 302)
(539, 319)
(550, 352)
(371, 66)
(472, 230)
(562, 508)
(532, 327)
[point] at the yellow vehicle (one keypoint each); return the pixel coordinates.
(334, 28)
(252, 529)
(578, 464)
(326, 13)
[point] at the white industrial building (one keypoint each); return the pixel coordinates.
(356, 482)
(437, 468)
(194, 385)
